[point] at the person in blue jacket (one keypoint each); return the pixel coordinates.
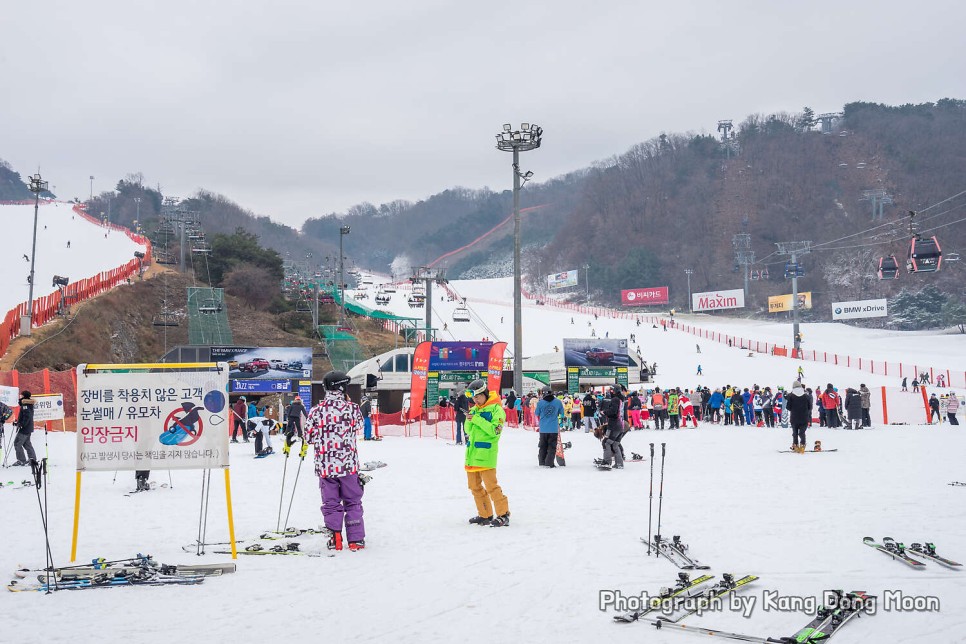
(714, 404)
(549, 410)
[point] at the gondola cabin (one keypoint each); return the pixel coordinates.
(888, 268)
(925, 255)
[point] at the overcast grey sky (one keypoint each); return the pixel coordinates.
(297, 108)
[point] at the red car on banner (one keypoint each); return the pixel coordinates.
(644, 296)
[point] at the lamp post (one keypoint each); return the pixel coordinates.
(137, 200)
(587, 279)
(37, 185)
(92, 189)
(689, 272)
(528, 137)
(343, 231)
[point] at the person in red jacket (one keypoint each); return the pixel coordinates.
(830, 403)
(240, 416)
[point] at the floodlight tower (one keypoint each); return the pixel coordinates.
(689, 272)
(793, 250)
(343, 231)
(528, 137)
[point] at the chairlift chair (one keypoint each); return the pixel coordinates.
(888, 268)
(925, 255)
(461, 314)
(382, 299)
(165, 318)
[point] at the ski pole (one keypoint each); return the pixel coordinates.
(115, 478)
(650, 502)
(281, 494)
(660, 495)
(302, 453)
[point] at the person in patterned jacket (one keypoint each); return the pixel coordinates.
(332, 428)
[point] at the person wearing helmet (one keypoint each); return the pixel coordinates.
(296, 411)
(25, 427)
(484, 425)
(549, 411)
(332, 427)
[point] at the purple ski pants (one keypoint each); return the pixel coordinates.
(342, 500)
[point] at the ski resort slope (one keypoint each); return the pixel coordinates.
(93, 249)
(490, 303)
(795, 520)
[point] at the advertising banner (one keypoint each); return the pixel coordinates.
(644, 296)
(459, 356)
(417, 387)
(258, 386)
(782, 303)
(10, 396)
(860, 309)
(495, 367)
(48, 407)
(270, 363)
(562, 280)
(595, 352)
(715, 300)
(163, 418)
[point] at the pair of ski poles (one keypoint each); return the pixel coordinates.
(660, 500)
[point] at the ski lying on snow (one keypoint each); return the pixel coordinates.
(894, 550)
(928, 551)
(81, 572)
(681, 589)
(808, 451)
(194, 546)
(675, 552)
(726, 586)
(821, 628)
(105, 581)
(958, 483)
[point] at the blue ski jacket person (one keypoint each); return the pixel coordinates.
(549, 410)
(716, 399)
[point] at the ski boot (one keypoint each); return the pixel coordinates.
(335, 540)
(501, 521)
(356, 546)
(818, 446)
(477, 520)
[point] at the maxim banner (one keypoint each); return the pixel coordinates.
(714, 300)
(147, 417)
(644, 296)
(782, 303)
(860, 309)
(562, 280)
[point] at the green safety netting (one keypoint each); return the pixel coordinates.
(207, 317)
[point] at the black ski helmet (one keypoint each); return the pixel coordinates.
(477, 387)
(336, 381)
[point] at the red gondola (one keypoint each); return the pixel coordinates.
(888, 268)
(925, 255)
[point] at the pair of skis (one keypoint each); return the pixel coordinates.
(899, 552)
(826, 623)
(142, 571)
(703, 600)
(675, 551)
(682, 588)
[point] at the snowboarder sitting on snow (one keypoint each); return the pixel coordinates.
(332, 426)
(484, 425)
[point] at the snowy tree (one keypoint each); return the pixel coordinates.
(921, 309)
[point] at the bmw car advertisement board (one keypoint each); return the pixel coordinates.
(595, 352)
(270, 363)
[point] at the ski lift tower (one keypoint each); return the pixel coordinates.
(793, 250)
(827, 119)
(429, 276)
(744, 256)
(725, 128)
(879, 197)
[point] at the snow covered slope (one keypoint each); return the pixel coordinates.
(93, 248)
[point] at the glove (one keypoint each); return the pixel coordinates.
(487, 416)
